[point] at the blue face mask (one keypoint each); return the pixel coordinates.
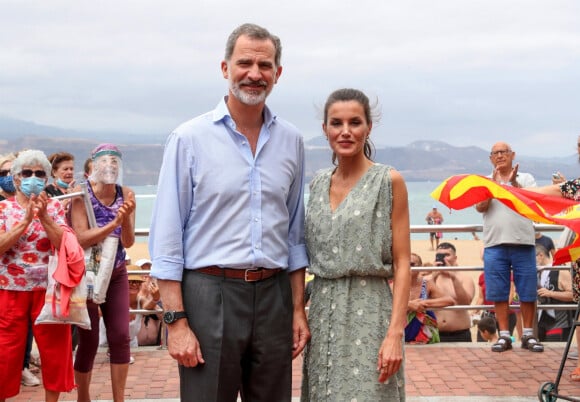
(32, 185)
(61, 183)
(7, 184)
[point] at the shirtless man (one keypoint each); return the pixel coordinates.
(434, 217)
(454, 325)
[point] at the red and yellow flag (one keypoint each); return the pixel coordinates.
(462, 191)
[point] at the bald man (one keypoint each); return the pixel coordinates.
(509, 245)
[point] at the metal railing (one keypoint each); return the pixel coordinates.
(479, 228)
(144, 232)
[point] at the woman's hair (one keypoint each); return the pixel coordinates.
(57, 158)
(87, 167)
(418, 257)
(7, 158)
(541, 249)
(30, 157)
(350, 94)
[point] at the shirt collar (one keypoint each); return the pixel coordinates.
(222, 113)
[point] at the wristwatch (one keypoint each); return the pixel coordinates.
(169, 317)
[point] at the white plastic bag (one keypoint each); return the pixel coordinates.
(51, 312)
(106, 266)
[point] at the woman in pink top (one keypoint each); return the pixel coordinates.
(30, 227)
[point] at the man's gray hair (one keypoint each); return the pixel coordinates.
(253, 31)
(30, 157)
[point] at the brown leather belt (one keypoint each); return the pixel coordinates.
(248, 275)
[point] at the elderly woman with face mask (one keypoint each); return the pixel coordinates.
(63, 169)
(114, 208)
(30, 227)
(7, 188)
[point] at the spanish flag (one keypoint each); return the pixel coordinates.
(462, 191)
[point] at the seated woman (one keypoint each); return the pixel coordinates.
(149, 333)
(424, 294)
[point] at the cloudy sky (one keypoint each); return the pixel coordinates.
(462, 71)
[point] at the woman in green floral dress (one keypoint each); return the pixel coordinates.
(357, 233)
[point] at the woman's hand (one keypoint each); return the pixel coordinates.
(125, 210)
(416, 305)
(153, 289)
(390, 357)
(38, 204)
(559, 179)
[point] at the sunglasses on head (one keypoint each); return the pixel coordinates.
(41, 174)
(4, 173)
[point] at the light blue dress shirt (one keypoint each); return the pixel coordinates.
(218, 204)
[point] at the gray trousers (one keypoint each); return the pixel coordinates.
(245, 333)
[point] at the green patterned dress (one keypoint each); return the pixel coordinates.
(350, 253)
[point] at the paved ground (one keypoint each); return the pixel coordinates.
(435, 373)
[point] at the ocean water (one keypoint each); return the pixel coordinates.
(420, 204)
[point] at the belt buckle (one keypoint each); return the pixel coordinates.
(249, 271)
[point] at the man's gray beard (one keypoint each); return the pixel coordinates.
(247, 98)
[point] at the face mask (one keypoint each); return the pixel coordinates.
(61, 183)
(31, 185)
(7, 184)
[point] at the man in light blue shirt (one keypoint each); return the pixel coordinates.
(227, 236)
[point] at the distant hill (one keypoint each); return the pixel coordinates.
(437, 160)
(142, 155)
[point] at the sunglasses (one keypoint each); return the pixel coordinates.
(41, 174)
(4, 173)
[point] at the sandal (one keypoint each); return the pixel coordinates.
(575, 375)
(531, 343)
(503, 343)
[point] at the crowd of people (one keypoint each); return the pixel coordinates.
(34, 228)
(517, 271)
(230, 247)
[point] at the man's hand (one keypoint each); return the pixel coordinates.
(514, 175)
(300, 333)
(182, 344)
